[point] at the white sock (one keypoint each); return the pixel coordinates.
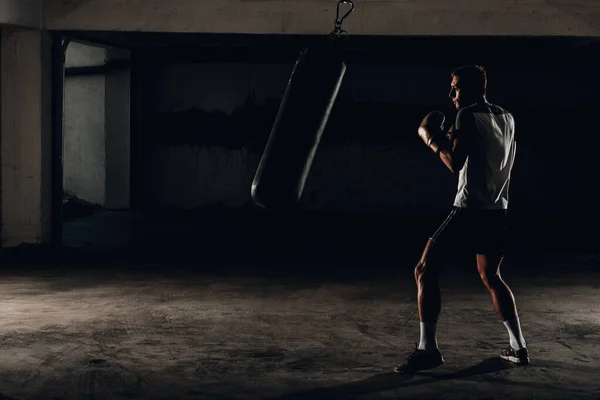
(428, 336)
(514, 331)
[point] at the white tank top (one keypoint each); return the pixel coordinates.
(484, 180)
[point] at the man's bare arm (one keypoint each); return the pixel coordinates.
(454, 155)
(452, 147)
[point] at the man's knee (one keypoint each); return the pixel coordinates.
(426, 267)
(489, 269)
(419, 271)
(425, 270)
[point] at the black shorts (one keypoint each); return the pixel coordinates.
(474, 231)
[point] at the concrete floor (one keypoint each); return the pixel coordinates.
(121, 333)
(103, 326)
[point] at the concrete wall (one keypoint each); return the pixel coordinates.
(1, 127)
(346, 176)
(21, 13)
(205, 124)
(227, 86)
(371, 17)
(118, 137)
(25, 134)
(84, 151)
(96, 129)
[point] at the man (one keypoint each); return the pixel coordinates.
(480, 148)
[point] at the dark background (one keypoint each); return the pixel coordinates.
(373, 186)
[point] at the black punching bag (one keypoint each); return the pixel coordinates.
(309, 97)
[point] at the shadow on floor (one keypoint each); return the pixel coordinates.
(391, 381)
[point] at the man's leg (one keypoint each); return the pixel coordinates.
(427, 354)
(427, 271)
(490, 247)
(489, 271)
(428, 297)
(504, 303)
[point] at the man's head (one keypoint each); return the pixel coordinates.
(468, 86)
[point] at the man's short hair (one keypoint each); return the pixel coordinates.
(473, 77)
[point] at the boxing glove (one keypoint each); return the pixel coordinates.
(431, 131)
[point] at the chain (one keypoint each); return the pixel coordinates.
(337, 27)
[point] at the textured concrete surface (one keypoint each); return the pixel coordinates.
(118, 133)
(319, 330)
(84, 127)
(21, 13)
(396, 17)
(84, 55)
(96, 129)
(84, 140)
(25, 140)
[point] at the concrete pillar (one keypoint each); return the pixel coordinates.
(1, 224)
(25, 137)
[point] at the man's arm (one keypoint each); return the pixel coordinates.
(460, 138)
(453, 148)
(455, 155)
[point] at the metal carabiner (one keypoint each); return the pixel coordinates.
(338, 21)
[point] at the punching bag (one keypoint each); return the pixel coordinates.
(303, 113)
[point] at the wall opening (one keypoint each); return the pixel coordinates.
(96, 129)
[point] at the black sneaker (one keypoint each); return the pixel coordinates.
(420, 360)
(519, 357)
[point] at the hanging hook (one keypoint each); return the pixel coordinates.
(338, 20)
(337, 28)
